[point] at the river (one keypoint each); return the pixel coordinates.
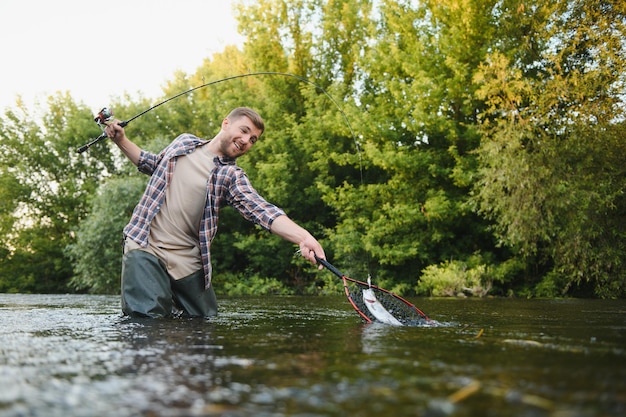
(74, 355)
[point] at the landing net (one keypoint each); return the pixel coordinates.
(403, 311)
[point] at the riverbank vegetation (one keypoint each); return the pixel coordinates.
(487, 155)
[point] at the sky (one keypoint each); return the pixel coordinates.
(96, 50)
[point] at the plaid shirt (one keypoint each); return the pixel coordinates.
(228, 185)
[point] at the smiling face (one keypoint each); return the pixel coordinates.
(237, 136)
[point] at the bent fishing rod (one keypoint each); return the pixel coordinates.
(106, 115)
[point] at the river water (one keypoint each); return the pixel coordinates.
(74, 355)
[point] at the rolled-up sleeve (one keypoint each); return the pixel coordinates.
(247, 201)
(147, 162)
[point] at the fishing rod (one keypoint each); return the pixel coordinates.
(106, 115)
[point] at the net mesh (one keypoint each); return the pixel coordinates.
(404, 312)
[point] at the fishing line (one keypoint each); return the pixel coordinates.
(106, 115)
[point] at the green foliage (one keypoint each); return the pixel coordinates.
(453, 279)
(550, 176)
(483, 153)
(473, 277)
(48, 186)
(550, 286)
(413, 208)
(234, 284)
(97, 252)
(37, 265)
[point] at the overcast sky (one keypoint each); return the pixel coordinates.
(99, 49)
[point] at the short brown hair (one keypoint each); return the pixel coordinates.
(240, 112)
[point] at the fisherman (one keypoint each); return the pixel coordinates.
(166, 268)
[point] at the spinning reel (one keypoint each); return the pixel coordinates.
(105, 115)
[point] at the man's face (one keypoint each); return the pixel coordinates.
(239, 136)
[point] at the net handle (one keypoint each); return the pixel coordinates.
(341, 275)
(330, 267)
(345, 279)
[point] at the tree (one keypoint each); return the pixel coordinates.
(550, 176)
(417, 116)
(97, 252)
(304, 128)
(48, 187)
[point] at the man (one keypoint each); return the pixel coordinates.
(167, 262)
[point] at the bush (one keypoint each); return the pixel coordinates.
(453, 278)
(242, 284)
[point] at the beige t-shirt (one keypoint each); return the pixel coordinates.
(174, 230)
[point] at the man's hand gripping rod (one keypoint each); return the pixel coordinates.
(105, 115)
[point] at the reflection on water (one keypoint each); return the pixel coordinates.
(71, 355)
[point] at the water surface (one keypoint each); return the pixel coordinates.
(74, 355)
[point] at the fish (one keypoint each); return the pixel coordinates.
(377, 309)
